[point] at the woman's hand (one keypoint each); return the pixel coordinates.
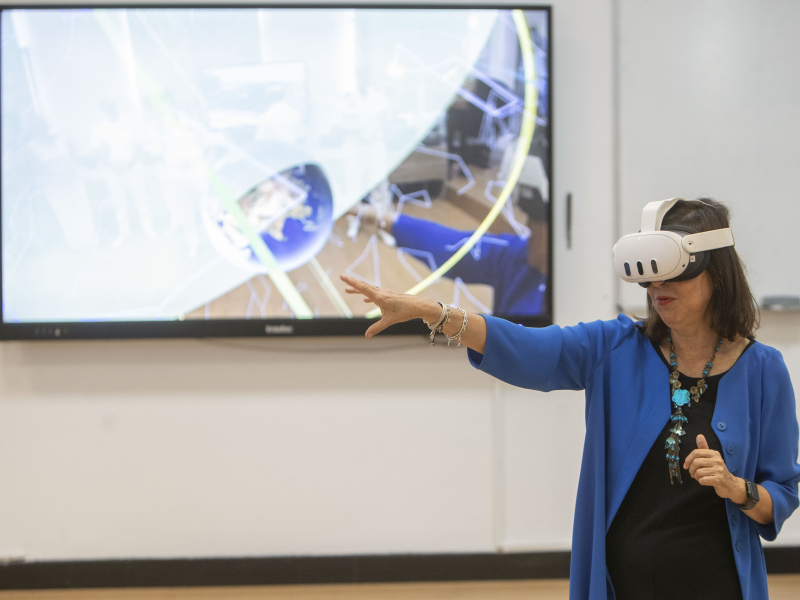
(708, 468)
(394, 307)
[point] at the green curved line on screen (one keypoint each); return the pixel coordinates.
(523, 147)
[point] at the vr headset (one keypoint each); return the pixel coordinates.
(676, 253)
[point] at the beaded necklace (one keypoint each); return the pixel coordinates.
(681, 398)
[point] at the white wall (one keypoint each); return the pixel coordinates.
(709, 93)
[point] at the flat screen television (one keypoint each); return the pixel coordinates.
(202, 170)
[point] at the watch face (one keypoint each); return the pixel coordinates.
(752, 490)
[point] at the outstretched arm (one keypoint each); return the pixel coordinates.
(545, 359)
(397, 308)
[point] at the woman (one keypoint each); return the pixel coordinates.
(672, 498)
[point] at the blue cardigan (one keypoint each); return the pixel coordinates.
(627, 406)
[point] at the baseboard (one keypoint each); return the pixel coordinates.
(782, 559)
(283, 570)
(310, 570)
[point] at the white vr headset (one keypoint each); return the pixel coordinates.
(677, 253)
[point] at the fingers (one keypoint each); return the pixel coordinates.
(366, 299)
(700, 462)
(708, 468)
(695, 454)
(707, 472)
(705, 469)
(711, 480)
(351, 290)
(355, 286)
(359, 287)
(373, 295)
(715, 477)
(702, 451)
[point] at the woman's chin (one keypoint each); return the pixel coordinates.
(667, 315)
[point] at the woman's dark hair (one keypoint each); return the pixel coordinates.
(733, 308)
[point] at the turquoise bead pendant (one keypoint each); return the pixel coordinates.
(680, 397)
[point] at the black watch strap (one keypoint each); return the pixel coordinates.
(752, 495)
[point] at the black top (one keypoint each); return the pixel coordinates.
(673, 541)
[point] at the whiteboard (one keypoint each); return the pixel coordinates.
(709, 94)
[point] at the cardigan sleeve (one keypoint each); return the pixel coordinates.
(777, 470)
(549, 358)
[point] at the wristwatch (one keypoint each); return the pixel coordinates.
(752, 495)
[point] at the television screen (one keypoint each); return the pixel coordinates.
(201, 171)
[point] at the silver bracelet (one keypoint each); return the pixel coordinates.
(457, 336)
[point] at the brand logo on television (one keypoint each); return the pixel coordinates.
(279, 330)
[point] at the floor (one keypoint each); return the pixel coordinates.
(782, 587)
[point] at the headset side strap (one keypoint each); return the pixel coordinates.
(708, 240)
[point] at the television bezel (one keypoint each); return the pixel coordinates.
(220, 328)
